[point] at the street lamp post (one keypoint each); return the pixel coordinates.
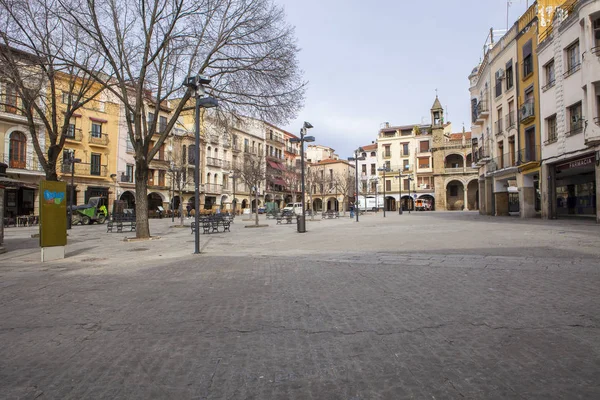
(384, 169)
(233, 176)
(355, 159)
(202, 101)
(410, 179)
(72, 162)
(302, 140)
(400, 192)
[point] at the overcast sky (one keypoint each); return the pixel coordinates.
(368, 62)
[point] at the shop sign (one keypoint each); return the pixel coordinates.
(582, 162)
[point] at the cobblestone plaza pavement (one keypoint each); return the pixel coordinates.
(423, 305)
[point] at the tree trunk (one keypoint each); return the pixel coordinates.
(142, 227)
(51, 174)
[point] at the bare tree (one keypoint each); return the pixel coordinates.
(180, 174)
(252, 171)
(47, 71)
(292, 180)
(151, 46)
(345, 185)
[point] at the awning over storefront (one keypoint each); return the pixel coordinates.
(276, 165)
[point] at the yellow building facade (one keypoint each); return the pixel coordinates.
(92, 138)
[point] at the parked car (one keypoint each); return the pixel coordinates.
(261, 210)
(296, 208)
(422, 205)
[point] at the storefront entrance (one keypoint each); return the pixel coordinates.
(575, 193)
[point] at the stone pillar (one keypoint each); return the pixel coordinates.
(482, 202)
(466, 201)
(547, 191)
(501, 198)
(526, 196)
(597, 190)
(501, 204)
(489, 194)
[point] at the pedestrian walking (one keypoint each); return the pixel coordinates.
(189, 209)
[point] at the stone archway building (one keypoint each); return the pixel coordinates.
(453, 175)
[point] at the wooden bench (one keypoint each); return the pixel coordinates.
(119, 222)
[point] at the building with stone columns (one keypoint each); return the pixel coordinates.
(455, 179)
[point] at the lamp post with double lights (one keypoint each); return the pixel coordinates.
(384, 169)
(302, 140)
(355, 159)
(202, 101)
(72, 162)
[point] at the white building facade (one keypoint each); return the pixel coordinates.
(569, 63)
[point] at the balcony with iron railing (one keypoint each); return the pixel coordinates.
(213, 188)
(28, 163)
(387, 155)
(574, 68)
(74, 134)
(291, 150)
(575, 128)
(510, 120)
(527, 112)
(506, 160)
(482, 156)
(498, 128)
(549, 85)
(213, 162)
(423, 151)
(275, 139)
(98, 139)
(84, 169)
(529, 154)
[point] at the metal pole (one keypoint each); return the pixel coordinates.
(384, 193)
(302, 133)
(234, 200)
(409, 194)
(197, 177)
(173, 195)
(400, 193)
(356, 179)
(70, 213)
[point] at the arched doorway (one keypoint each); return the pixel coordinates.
(454, 161)
(154, 201)
(129, 198)
(455, 195)
(254, 201)
(389, 203)
(408, 203)
(244, 204)
(18, 150)
(175, 203)
(317, 205)
(472, 202)
(332, 204)
(430, 199)
(224, 200)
